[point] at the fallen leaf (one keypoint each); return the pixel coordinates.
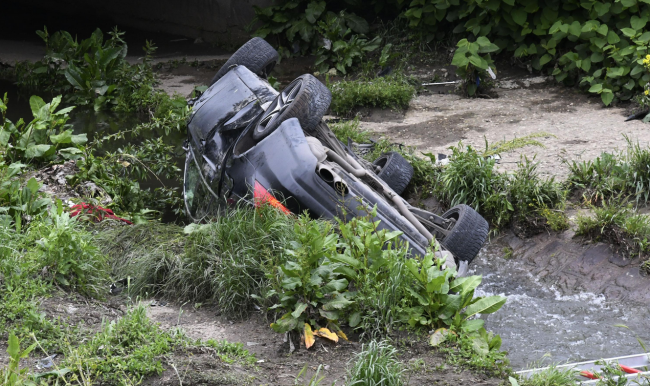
(309, 336)
(341, 334)
(327, 334)
(439, 336)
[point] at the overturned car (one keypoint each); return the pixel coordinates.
(247, 142)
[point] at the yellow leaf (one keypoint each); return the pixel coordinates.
(125, 164)
(309, 336)
(341, 334)
(327, 334)
(439, 336)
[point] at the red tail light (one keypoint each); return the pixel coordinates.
(262, 196)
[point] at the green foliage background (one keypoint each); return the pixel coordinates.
(598, 45)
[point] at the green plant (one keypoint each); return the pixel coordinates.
(119, 174)
(479, 351)
(13, 375)
(600, 45)
(471, 179)
(91, 72)
(439, 299)
(373, 262)
(225, 261)
(507, 253)
(376, 364)
(295, 24)
(311, 291)
(19, 205)
(42, 139)
(392, 91)
(471, 65)
(67, 255)
(129, 348)
(551, 376)
(229, 352)
(313, 381)
(619, 225)
(342, 49)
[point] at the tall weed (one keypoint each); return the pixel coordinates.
(376, 365)
(225, 261)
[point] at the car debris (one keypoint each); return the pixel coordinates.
(248, 143)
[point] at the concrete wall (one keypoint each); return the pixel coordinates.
(219, 21)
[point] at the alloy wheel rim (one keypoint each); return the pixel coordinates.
(279, 105)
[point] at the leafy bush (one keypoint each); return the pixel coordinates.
(376, 364)
(93, 72)
(597, 45)
(119, 174)
(392, 91)
(67, 256)
(44, 138)
(342, 49)
(471, 66)
(19, 205)
(310, 287)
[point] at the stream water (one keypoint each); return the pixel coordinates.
(538, 319)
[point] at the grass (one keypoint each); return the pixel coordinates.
(224, 261)
(462, 354)
(393, 91)
(623, 176)
(521, 198)
(617, 224)
(376, 365)
(552, 376)
(127, 349)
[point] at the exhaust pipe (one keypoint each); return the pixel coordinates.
(353, 167)
(328, 175)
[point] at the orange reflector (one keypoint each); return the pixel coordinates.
(262, 196)
(629, 370)
(588, 374)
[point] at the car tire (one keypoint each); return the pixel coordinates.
(468, 234)
(394, 170)
(306, 99)
(257, 55)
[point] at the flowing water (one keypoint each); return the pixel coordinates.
(538, 319)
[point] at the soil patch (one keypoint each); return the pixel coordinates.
(580, 126)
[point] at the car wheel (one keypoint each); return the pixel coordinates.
(394, 170)
(467, 236)
(306, 98)
(257, 55)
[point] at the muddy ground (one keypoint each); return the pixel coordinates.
(275, 364)
(577, 124)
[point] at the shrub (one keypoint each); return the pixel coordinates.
(43, 139)
(93, 72)
(67, 256)
(392, 91)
